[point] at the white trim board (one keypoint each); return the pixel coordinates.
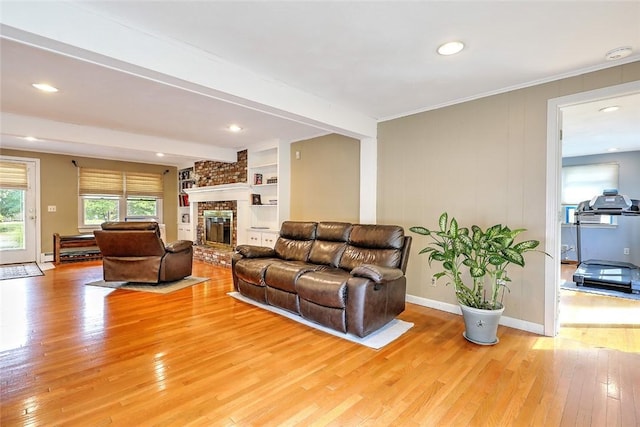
(510, 322)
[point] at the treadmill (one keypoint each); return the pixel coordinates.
(595, 273)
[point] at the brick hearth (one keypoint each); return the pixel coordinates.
(213, 255)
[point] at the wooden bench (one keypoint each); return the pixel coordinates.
(81, 247)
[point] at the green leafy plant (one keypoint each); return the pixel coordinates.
(478, 253)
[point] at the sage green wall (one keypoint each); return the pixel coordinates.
(325, 181)
(59, 187)
(484, 162)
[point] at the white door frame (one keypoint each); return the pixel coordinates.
(553, 189)
(35, 187)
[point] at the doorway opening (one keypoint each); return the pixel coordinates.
(568, 310)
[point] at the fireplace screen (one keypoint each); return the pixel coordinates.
(218, 227)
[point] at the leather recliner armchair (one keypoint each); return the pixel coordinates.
(134, 252)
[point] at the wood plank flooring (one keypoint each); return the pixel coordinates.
(76, 355)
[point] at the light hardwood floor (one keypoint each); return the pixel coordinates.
(600, 321)
(76, 355)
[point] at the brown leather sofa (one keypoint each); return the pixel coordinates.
(134, 252)
(348, 277)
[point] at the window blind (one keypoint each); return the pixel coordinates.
(13, 176)
(580, 183)
(144, 184)
(99, 182)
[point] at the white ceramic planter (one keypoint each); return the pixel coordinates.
(481, 326)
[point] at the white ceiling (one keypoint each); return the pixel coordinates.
(299, 66)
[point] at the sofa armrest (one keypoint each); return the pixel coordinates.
(178, 246)
(250, 251)
(377, 273)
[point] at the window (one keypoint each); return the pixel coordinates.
(100, 209)
(584, 182)
(117, 196)
(138, 206)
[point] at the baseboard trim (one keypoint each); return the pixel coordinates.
(510, 322)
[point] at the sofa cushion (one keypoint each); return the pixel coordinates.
(326, 287)
(296, 238)
(373, 244)
(293, 250)
(283, 275)
(298, 230)
(330, 243)
(252, 270)
(377, 236)
(327, 253)
(333, 231)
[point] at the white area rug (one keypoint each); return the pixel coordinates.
(160, 288)
(375, 340)
(18, 271)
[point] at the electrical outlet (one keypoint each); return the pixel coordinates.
(626, 251)
(433, 280)
(51, 208)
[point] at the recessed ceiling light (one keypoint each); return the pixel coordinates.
(618, 53)
(450, 48)
(160, 154)
(235, 128)
(609, 109)
(611, 150)
(45, 87)
(30, 138)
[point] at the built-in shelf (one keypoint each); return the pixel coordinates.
(268, 174)
(186, 181)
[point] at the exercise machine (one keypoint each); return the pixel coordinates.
(622, 276)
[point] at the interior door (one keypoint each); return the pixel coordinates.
(18, 211)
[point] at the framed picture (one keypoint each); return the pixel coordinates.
(255, 199)
(185, 218)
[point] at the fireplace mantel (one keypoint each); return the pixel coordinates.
(215, 193)
(239, 192)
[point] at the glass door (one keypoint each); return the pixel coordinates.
(17, 211)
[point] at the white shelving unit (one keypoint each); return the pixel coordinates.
(186, 180)
(268, 174)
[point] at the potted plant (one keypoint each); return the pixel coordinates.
(475, 261)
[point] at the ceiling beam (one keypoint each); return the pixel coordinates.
(19, 125)
(75, 30)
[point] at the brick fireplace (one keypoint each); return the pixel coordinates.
(224, 205)
(233, 197)
(220, 186)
